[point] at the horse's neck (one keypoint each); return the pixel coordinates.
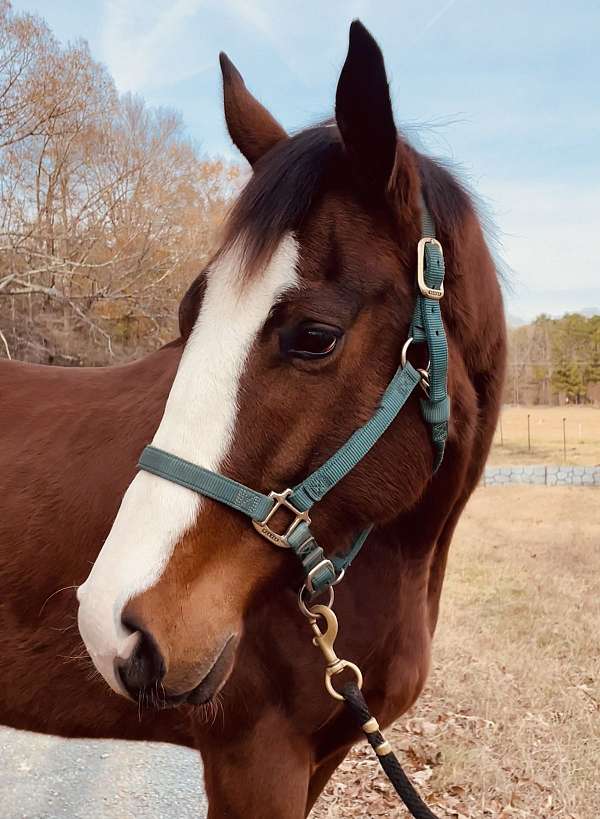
(124, 404)
(402, 566)
(71, 439)
(135, 398)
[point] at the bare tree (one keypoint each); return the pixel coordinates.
(106, 209)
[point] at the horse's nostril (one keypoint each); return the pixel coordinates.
(144, 668)
(130, 625)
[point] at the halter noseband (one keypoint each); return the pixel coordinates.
(323, 572)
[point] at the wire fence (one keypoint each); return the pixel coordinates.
(558, 435)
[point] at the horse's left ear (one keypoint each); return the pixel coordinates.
(251, 127)
(363, 111)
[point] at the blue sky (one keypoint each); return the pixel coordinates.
(510, 91)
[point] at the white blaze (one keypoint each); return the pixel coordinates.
(198, 425)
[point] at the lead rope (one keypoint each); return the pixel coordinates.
(387, 758)
(351, 694)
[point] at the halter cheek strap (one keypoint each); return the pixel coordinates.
(323, 572)
(427, 326)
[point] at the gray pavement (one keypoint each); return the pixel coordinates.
(45, 777)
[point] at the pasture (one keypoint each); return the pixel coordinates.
(509, 724)
(582, 430)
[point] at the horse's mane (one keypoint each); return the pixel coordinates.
(286, 182)
(284, 185)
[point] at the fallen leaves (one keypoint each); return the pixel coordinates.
(507, 726)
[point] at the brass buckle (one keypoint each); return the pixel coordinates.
(428, 292)
(281, 539)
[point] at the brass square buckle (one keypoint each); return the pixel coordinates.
(428, 292)
(281, 539)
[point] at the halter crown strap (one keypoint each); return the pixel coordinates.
(427, 326)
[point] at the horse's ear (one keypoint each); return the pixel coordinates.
(251, 127)
(363, 111)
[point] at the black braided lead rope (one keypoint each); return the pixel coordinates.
(387, 759)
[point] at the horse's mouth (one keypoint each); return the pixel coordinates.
(212, 683)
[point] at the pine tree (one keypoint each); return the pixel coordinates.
(567, 380)
(591, 372)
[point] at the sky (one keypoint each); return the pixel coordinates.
(507, 90)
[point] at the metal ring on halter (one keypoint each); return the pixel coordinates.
(403, 358)
(304, 608)
(407, 344)
(425, 384)
(339, 578)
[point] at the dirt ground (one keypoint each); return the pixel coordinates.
(509, 724)
(545, 445)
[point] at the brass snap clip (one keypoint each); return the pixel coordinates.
(325, 640)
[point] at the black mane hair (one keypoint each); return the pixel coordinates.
(286, 183)
(280, 193)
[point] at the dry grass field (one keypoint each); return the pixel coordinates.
(582, 436)
(509, 724)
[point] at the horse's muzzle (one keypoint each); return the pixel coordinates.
(143, 675)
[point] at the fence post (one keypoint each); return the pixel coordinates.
(564, 439)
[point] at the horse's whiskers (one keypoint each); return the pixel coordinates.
(64, 628)
(58, 591)
(73, 657)
(221, 707)
(93, 674)
(209, 711)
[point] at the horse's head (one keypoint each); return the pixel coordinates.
(291, 334)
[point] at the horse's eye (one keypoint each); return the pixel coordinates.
(309, 340)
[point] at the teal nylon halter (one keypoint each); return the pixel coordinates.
(322, 572)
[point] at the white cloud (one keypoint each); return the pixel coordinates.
(147, 44)
(154, 45)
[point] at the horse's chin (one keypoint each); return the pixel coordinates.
(205, 691)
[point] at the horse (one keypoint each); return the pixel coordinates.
(136, 608)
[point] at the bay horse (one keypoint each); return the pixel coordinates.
(288, 339)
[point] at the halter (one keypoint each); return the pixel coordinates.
(323, 572)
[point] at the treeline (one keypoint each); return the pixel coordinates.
(107, 209)
(555, 361)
